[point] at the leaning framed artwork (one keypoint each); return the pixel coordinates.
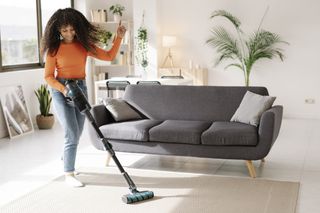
(15, 111)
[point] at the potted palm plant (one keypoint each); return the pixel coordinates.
(45, 119)
(117, 11)
(243, 51)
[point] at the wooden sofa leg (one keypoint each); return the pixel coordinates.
(108, 159)
(251, 169)
(263, 160)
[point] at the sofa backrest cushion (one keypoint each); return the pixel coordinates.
(205, 103)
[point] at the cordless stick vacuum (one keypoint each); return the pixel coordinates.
(80, 101)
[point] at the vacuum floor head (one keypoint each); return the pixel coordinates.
(137, 196)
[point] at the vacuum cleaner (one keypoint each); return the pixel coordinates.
(80, 101)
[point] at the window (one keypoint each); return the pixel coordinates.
(48, 7)
(21, 28)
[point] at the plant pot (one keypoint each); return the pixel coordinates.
(116, 18)
(45, 122)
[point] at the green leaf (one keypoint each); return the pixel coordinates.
(44, 98)
(264, 44)
(234, 65)
(234, 20)
(226, 45)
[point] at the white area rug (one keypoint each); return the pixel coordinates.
(174, 193)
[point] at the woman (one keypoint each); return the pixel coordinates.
(68, 39)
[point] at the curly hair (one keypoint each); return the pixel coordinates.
(86, 33)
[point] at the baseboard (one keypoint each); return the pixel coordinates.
(301, 116)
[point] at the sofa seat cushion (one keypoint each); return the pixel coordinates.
(179, 131)
(230, 134)
(130, 130)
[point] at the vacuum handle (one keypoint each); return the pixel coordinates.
(81, 102)
(105, 142)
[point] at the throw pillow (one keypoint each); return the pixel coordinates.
(251, 108)
(120, 110)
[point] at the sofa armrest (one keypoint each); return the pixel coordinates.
(101, 115)
(270, 124)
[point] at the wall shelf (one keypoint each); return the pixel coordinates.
(123, 64)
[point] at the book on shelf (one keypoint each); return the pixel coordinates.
(99, 15)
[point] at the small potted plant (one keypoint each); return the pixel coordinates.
(117, 11)
(104, 38)
(45, 119)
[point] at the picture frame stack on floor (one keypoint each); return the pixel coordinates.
(15, 111)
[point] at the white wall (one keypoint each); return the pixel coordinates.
(292, 81)
(30, 80)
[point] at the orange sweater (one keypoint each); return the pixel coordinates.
(70, 62)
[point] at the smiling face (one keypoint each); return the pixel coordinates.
(68, 33)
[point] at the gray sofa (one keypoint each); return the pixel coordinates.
(189, 121)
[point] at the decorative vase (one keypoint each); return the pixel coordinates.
(45, 122)
(116, 18)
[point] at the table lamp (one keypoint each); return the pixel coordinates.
(168, 41)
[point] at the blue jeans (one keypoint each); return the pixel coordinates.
(72, 122)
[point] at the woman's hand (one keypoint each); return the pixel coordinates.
(65, 92)
(121, 31)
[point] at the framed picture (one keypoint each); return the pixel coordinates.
(15, 111)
